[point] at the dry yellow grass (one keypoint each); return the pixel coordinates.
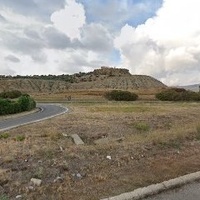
(89, 95)
(169, 147)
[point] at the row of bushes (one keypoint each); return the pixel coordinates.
(23, 103)
(178, 94)
(171, 94)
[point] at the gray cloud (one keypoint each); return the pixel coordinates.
(56, 39)
(21, 44)
(95, 37)
(39, 57)
(24, 46)
(12, 58)
(2, 19)
(32, 34)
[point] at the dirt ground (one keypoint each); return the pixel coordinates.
(127, 145)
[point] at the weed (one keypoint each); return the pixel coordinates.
(198, 132)
(8, 159)
(43, 135)
(20, 138)
(4, 197)
(55, 136)
(39, 173)
(4, 136)
(101, 177)
(142, 127)
(176, 144)
(49, 154)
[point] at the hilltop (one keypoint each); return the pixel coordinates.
(104, 78)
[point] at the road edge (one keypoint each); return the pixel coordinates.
(153, 189)
(45, 118)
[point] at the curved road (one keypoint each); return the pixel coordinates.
(46, 111)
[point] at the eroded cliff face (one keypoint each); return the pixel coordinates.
(103, 78)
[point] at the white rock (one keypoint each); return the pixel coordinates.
(36, 182)
(18, 197)
(108, 157)
(58, 179)
(65, 135)
(77, 139)
(78, 175)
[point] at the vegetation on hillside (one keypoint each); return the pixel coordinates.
(73, 78)
(63, 77)
(118, 95)
(178, 94)
(21, 102)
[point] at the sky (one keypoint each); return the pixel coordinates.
(159, 38)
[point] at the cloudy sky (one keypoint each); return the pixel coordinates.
(160, 38)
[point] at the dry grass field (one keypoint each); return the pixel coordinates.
(89, 95)
(127, 145)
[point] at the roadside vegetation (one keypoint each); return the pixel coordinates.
(13, 102)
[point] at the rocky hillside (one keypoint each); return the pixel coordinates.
(104, 78)
(33, 85)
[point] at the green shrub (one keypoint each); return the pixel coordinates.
(4, 136)
(20, 138)
(178, 94)
(118, 95)
(4, 106)
(10, 94)
(23, 103)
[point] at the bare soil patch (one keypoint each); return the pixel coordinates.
(160, 141)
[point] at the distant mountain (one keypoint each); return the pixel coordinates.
(101, 79)
(194, 87)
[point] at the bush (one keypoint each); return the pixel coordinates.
(118, 95)
(178, 94)
(23, 103)
(10, 94)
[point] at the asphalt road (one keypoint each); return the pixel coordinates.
(46, 111)
(186, 192)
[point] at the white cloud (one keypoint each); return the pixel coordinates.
(70, 19)
(59, 39)
(166, 45)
